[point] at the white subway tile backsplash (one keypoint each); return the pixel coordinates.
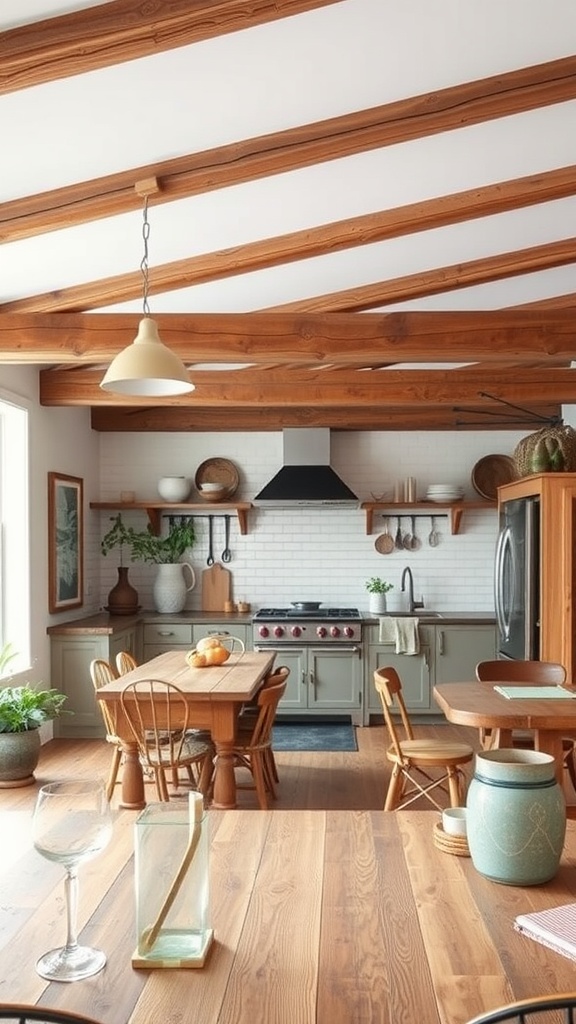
(317, 553)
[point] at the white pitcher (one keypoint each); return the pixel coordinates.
(170, 586)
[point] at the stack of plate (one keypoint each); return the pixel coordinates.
(443, 493)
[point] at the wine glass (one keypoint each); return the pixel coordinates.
(72, 823)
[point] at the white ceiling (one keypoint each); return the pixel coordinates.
(340, 58)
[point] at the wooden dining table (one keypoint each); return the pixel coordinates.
(215, 696)
(480, 706)
(319, 917)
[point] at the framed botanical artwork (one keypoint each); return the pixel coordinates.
(65, 542)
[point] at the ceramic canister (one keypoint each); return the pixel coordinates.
(516, 818)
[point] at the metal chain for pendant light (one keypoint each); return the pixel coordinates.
(144, 263)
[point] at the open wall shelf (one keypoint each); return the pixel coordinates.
(453, 510)
(156, 509)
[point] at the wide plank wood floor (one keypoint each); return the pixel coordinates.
(351, 780)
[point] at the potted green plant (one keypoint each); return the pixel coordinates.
(170, 586)
(23, 709)
(378, 588)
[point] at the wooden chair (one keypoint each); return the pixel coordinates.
(253, 747)
(233, 643)
(101, 673)
(251, 709)
(21, 1013)
(413, 759)
(529, 673)
(165, 744)
(532, 1011)
(125, 662)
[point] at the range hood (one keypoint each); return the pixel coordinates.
(306, 477)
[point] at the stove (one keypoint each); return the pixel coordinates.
(325, 625)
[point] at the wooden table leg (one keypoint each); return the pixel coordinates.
(133, 798)
(223, 730)
(550, 742)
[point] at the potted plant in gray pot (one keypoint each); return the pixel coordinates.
(23, 709)
(170, 585)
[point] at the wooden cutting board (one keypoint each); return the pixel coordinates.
(216, 588)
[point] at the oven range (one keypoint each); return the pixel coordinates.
(289, 625)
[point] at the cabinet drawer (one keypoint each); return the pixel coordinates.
(168, 633)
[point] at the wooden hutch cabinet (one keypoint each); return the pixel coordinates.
(557, 494)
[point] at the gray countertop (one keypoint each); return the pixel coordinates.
(103, 623)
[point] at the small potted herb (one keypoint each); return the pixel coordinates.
(378, 588)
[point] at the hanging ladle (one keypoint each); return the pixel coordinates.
(226, 555)
(398, 542)
(415, 542)
(210, 559)
(433, 536)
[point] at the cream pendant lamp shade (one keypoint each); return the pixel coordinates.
(147, 367)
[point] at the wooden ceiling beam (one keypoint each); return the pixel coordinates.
(285, 338)
(279, 152)
(373, 418)
(437, 281)
(313, 242)
(389, 388)
(124, 30)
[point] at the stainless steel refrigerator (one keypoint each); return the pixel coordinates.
(517, 580)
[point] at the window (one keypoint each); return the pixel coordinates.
(14, 531)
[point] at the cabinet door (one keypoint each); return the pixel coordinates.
(334, 678)
(460, 648)
(415, 671)
(296, 695)
(166, 636)
(70, 673)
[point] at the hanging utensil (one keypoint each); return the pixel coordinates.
(407, 539)
(384, 544)
(433, 536)
(210, 559)
(415, 543)
(226, 555)
(398, 542)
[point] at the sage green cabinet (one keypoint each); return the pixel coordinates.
(70, 657)
(183, 636)
(243, 632)
(322, 681)
(448, 653)
(415, 671)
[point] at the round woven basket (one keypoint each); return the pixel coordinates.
(549, 450)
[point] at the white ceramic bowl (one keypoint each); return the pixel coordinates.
(174, 488)
(454, 821)
(211, 487)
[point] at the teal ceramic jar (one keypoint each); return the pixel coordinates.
(516, 818)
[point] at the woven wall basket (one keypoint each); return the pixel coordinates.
(549, 450)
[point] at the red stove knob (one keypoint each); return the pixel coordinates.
(334, 631)
(278, 631)
(296, 631)
(321, 631)
(263, 631)
(348, 631)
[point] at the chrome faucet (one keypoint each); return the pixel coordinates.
(412, 604)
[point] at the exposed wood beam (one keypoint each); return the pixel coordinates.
(265, 338)
(123, 30)
(334, 138)
(389, 388)
(312, 242)
(437, 281)
(375, 418)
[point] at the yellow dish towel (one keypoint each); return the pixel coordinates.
(407, 636)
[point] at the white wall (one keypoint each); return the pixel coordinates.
(60, 440)
(318, 554)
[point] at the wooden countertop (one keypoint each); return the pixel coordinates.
(326, 917)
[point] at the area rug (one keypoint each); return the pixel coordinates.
(321, 736)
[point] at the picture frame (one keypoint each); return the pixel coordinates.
(65, 542)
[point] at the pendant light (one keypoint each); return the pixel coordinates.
(147, 367)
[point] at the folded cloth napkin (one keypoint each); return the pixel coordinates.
(407, 636)
(387, 630)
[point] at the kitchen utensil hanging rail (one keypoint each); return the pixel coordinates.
(454, 510)
(155, 510)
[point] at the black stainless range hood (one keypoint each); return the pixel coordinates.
(306, 477)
